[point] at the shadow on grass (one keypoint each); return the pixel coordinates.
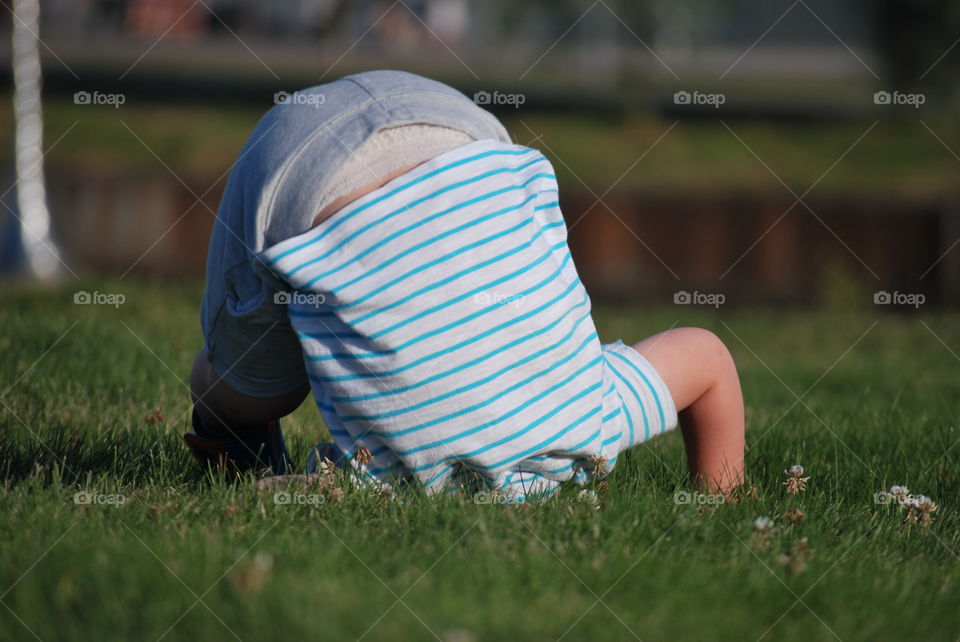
(120, 455)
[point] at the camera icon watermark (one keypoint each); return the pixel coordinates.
(883, 497)
(284, 498)
(87, 498)
(311, 99)
(699, 98)
(698, 499)
(98, 98)
(82, 297)
(899, 98)
(896, 495)
(499, 98)
(683, 297)
(915, 299)
(295, 297)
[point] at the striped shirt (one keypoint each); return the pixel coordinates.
(446, 332)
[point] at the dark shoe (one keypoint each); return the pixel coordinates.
(241, 452)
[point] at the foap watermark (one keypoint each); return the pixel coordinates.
(494, 497)
(295, 297)
(916, 299)
(896, 495)
(698, 499)
(683, 297)
(899, 98)
(299, 98)
(284, 498)
(88, 498)
(698, 98)
(99, 298)
(492, 297)
(98, 98)
(499, 98)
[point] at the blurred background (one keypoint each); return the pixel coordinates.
(771, 151)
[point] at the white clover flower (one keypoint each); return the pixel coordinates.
(918, 509)
(796, 482)
(899, 492)
(325, 467)
(762, 524)
(589, 497)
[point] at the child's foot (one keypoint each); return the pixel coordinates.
(263, 448)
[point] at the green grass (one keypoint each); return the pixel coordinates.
(77, 383)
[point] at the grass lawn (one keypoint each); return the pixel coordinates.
(188, 557)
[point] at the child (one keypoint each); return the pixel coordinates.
(383, 243)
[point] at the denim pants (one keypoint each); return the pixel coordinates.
(273, 193)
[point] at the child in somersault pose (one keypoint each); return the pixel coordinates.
(383, 243)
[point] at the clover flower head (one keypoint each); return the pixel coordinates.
(599, 463)
(589, 497)
(919, 509)
(899, 492)
(363, 456)
(796, 482)
(763, 524)
(326, 467)
(794, 515)
(795, 561)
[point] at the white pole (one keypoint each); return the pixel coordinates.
(42, 256)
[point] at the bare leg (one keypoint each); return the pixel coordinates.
(702, 378)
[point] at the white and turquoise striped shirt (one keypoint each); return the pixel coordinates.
(446, 331)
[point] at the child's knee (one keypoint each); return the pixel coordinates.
(711, 348)
(691, 361)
